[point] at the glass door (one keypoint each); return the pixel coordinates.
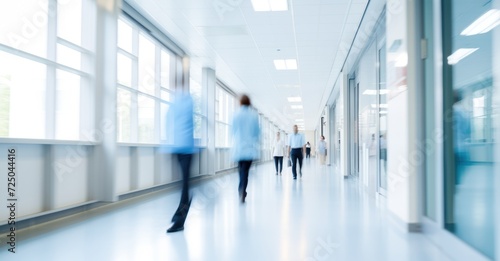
(353, 134)
(382, 121)
(468, 52)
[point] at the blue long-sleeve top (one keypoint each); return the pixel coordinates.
(246, 134)
(180, 124)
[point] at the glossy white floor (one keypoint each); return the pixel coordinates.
(318, 217)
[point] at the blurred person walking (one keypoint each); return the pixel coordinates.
(296, 150)
(322, 150)
(246, 134)
(308, 150)
(180, 126)
(278, 153)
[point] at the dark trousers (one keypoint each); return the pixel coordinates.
(183, 209)
(296, 155)
(243, 168)
(280, 161)
(308, 153)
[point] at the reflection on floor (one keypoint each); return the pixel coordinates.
(320, 216)
(473, 212)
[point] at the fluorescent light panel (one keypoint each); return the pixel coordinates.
(459, 54)
(483, 24)
(269, 5)
(294, 99)
(291, 64)
(297, 107)
(299, 120)
(280, 64)
(288, 64)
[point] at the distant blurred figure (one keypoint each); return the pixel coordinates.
(308, 150)
(322, 150)
(383, 151)
(296, 150)
(278, 153)
(461, 134)
(246, 134)
(180, 126)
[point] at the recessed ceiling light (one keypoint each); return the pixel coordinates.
(483, 24)
(280, 64)
(288, 64)
(294, 99)
(291, 64)
(297, 107)
(269, 5)
(459, 54)
(298, 120)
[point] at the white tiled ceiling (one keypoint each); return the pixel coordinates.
(241, 44)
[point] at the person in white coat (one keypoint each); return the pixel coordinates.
(278, 153)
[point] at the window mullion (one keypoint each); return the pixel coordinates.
(50, 98)
(157, 120)
(134, 114)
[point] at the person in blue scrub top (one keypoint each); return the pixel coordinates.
(180, 131)
(246, 134)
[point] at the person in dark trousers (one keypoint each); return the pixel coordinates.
(308, 150)
(246, 134)
(296, 150)
(278, 153)
(180, 124)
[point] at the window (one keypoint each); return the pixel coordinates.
(199, 112)
(58, 63)
(145, 70)
(225, 107)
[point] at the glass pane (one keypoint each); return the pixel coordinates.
(196, 92)
(430, 208)
(165, 69)
(469, 167)
(165, 95)
(146, 119)
(146, 65)
(17, 93)
(69, 17)
(69, 57)
(67, 106)
(124, 36)
(382, 93)
(23, 25)
(123, 106)
(197, 126)
(219, 135)
(163, 125)
(124, 70)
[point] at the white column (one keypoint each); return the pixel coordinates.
(344, 153)
(103, 164)
(405, 159)
(208, 84)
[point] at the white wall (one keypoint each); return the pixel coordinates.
(71, 187)
(402, 182)
(29, 166)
